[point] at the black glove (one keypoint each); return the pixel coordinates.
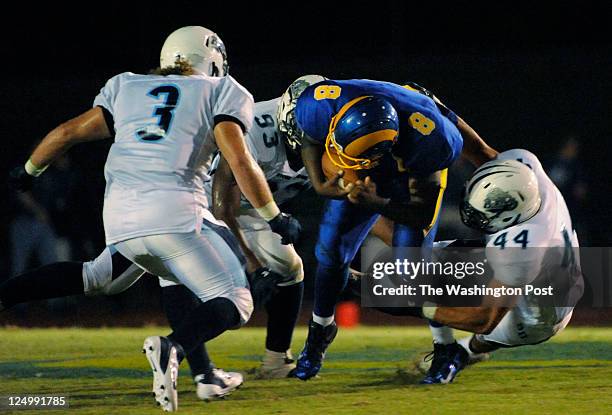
(287, 227)
(420, 89)
(20, 180)
(263, 284)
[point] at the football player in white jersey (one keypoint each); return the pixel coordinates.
(525, 220)
(263, 248)
(111, 273)
(167, 128)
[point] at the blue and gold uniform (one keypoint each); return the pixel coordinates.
(428, 141)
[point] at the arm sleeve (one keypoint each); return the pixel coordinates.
(233, 103)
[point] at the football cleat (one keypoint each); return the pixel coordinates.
(218, 384)
(164, 357)
(446, 362)
(277, 365)
(311, 358)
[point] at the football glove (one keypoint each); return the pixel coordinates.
(287, 227)
(422, 90)
(19, 179)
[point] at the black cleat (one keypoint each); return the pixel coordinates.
(447, 360)
(311, 358)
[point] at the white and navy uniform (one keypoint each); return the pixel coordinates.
(111, 274)
(155, 206)
(266, 146)
(523, 260)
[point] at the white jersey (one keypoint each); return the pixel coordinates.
(511, 252)
(164, 145)
(267, 148)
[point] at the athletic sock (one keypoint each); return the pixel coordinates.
(465, 343)
(178, 301)
(205, 322)
(441, 334)
(323, 321)
(59, 279)
(283, 310)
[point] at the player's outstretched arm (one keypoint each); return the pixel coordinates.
(481, 320)
(89, 126)
(248, 174)
(252, 181)
(311, 156)
(475, 149)
(226, 203)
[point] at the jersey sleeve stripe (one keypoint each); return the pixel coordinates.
(108, 118)
(224, 117)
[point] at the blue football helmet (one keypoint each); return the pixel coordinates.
(364, 129)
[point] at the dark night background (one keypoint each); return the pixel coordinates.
(521, 78)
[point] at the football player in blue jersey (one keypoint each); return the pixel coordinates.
(403, 139)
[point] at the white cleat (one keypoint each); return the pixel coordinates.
(218, 385)
(163, 357)
(276, 365)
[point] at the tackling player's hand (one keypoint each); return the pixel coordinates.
(364, 194)
(264, 284)
(287, 227)
(332, 188)
(20, 180)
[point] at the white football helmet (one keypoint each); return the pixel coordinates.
(201, 47)
(285, 113)
(500, 194)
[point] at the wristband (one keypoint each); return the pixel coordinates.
(429, 310)
(33, 170)
(269, 211)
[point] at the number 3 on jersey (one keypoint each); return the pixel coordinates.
(170, 94)
(267, 121)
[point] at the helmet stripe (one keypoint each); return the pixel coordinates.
(476, 180)
(364, 143)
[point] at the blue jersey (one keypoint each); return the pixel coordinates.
(428, 140)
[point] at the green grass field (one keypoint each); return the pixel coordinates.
(368, 370)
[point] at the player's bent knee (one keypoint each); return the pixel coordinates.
(242, 300)
(108, 274)
(328, 257)
(293, 271)
(97, 274)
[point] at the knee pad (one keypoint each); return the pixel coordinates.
(292, 268)
(98, 273)
(109, 274)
